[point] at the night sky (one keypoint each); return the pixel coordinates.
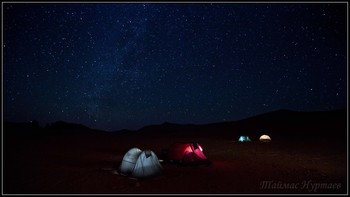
(126, 65)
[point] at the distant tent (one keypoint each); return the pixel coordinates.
(188, 153)
(244, 139)
(140, 164)
(265, 138)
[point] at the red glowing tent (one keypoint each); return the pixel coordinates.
(187, 153)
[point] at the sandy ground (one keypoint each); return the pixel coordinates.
(83, 164)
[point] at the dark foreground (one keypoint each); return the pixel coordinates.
(83, 163)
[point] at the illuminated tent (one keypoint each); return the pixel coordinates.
(188, 153)
(140, 164)
(265, 138)
(244, 139)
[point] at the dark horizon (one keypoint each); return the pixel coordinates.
(35, 122)
(127, 65)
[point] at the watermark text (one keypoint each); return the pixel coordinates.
(307, 185)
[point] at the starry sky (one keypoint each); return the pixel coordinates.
(115, 66)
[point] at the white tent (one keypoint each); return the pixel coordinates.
(265, 138)
(140, 164)
(129, 161)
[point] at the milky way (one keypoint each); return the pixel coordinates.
(126, 65)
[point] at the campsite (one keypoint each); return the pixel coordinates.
(309, 157)
(174, 98)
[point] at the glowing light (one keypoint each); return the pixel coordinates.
(200, 148)
(188, 149)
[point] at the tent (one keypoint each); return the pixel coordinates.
(140, 164)
(187, 153)
(265, 138)
(244, 139)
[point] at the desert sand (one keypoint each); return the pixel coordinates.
(84, 162)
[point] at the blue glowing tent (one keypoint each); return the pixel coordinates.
(244, 139)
